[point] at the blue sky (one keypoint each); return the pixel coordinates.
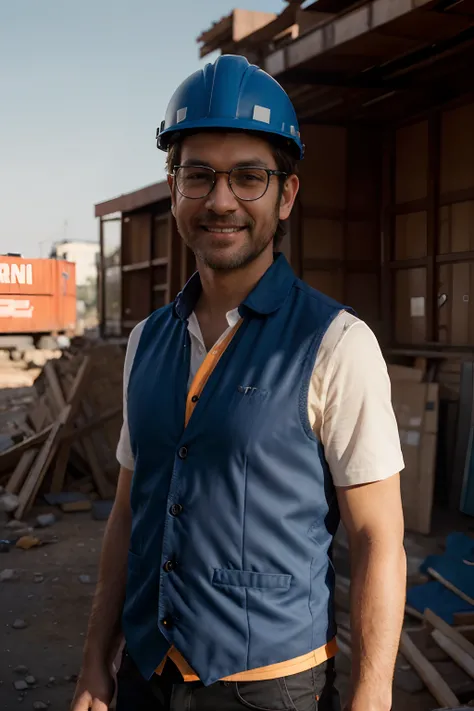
(83, 86)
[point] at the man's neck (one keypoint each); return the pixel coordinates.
(224, 291)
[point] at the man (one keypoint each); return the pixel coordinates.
(256, 410)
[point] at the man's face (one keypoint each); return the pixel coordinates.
(223, 231)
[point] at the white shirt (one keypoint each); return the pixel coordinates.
(349, 400)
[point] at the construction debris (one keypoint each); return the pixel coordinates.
(436, 652)
(71, 423)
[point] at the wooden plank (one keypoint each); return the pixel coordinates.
(434, 141)
(74, 403)
(57, 395)
(40, 414)
(86, 425)
(434, 574)
(269, 30)
(21, 471)
(428, 674)
(55, 387)
(132, 201)
(330, 35)
(103, 486)
(85, 429)
(464, 618)
(41, 466)
(453, 650)
(450, 632)
(10, 457)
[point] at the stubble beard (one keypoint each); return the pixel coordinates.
(248, 252)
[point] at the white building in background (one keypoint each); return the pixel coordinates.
(84, 254)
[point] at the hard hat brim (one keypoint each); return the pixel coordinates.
(289, 142)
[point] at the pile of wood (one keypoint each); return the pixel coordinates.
(75, 423)
(435, 656)
(434, 649)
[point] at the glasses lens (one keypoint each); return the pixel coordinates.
(194, 182)
(249, 183)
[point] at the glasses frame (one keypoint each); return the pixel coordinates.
(268, 171)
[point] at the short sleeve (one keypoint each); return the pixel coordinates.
(358, 430)
(124, 449)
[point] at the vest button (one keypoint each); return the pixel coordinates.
(169, 566)
(183, 452)
(176, 509)
(167, 622)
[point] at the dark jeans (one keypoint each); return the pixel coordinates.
(312, 690)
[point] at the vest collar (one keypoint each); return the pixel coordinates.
(267, 296)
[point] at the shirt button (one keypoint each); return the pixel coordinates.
(194, 398)
(183, 452)
(176, 509)
(169, 566)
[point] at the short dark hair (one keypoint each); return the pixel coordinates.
(284, 159)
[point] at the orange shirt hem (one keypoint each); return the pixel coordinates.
(273, 671)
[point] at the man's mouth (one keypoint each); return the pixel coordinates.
(223, 230)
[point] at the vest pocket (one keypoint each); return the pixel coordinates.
(249, 579)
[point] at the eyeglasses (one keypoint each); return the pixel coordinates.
(197, 182)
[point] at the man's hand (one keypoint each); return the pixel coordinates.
(94, 691)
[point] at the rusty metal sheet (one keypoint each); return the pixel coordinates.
(37, 295)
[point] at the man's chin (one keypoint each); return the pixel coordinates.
(225, 259)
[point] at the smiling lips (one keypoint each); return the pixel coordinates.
(223, 230)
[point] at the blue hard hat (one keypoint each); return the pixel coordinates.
(235, 95)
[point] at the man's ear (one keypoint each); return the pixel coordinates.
(288, 196)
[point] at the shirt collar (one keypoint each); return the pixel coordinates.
(272, 290)
(267, 296)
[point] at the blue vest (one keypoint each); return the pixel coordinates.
(234, 515)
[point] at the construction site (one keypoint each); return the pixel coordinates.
(383, 222)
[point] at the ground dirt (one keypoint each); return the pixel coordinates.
(55, 611)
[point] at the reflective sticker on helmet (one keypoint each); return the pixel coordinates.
(261, 113)
(181, 114)
(293, 130)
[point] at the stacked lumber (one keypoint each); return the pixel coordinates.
(75, 419)
(452, 644)
(440, 659)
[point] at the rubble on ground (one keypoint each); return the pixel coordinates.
(58, 437)
(437, 645)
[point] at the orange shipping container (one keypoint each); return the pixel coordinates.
(37, 295)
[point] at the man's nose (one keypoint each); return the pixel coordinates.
(222, 200)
